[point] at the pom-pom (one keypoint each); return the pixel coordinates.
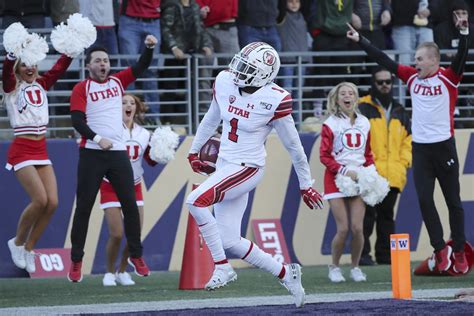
(14, 37)
(372, 187)
(346, 185)
(163, 144)
(73, 38)
(34, 51)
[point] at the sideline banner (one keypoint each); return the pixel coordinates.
(269, 237)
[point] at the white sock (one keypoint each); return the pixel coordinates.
(208, 228)
(256, 256)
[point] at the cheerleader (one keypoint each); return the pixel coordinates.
(345, 147)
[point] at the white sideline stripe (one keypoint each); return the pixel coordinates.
(214, 303)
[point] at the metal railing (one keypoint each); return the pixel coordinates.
(185, 89)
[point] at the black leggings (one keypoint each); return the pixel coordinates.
(93, 166)
(439, 161)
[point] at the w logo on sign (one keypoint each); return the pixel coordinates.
(403, 243)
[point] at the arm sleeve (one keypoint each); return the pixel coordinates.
(207, 127)
(460, 59)
(143, 63)
(8, 76)
(284, 108)
(325, 151)
(51, 76)
(369, 157)
(79, 123)
(379, 56)
(285, 128)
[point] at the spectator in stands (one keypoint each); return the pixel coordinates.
(30, 13)
(434, 92)
(369, 17)
(134, 134)
(328, 25)
(27, 107)
(220, 20)
(341, 156)
(447, 37)
(96, 113)
(60, 10)
(101, 14)
(184, 33)
(258, 19)
(293, 32)
(441, 10)
(138, 19)
(390, 141)
(410, 26)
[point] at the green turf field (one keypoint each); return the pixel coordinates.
(164, 286)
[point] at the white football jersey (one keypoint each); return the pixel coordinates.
(350, 143)
(246, 119)
(136, 141)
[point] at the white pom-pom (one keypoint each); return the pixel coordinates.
(14, 37)
(372, 186)
(163, 144)
(73, 38)
(346, 185)
(34, 51)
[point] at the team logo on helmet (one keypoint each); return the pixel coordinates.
(269, 58)
(231, 99)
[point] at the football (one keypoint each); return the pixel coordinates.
(209, 153)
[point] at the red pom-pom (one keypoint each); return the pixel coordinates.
(209, 153)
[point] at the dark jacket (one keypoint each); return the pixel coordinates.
(261, 13)
(370, 12)
(173, 28)
(390, 142)
(330, 16)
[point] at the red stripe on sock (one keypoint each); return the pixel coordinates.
(282, 273)
(248, 252)
(221, 262)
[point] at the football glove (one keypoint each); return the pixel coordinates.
(198, 166)
(312, 198)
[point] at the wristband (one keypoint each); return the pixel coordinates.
(97, 138)
(464, 32)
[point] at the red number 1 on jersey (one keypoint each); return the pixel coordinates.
(233, 130)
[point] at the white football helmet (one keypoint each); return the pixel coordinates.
(256, 65)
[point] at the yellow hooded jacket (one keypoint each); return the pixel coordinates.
(390, 143)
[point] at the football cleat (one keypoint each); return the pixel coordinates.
(292, 282)
(222, 275)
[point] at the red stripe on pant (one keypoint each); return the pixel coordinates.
(216, 193)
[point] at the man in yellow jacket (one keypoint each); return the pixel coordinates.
(391, 145)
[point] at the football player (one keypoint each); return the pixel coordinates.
(250, 106)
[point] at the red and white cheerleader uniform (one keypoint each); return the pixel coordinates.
(27, 107)
(136, 141)
(344, 147)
